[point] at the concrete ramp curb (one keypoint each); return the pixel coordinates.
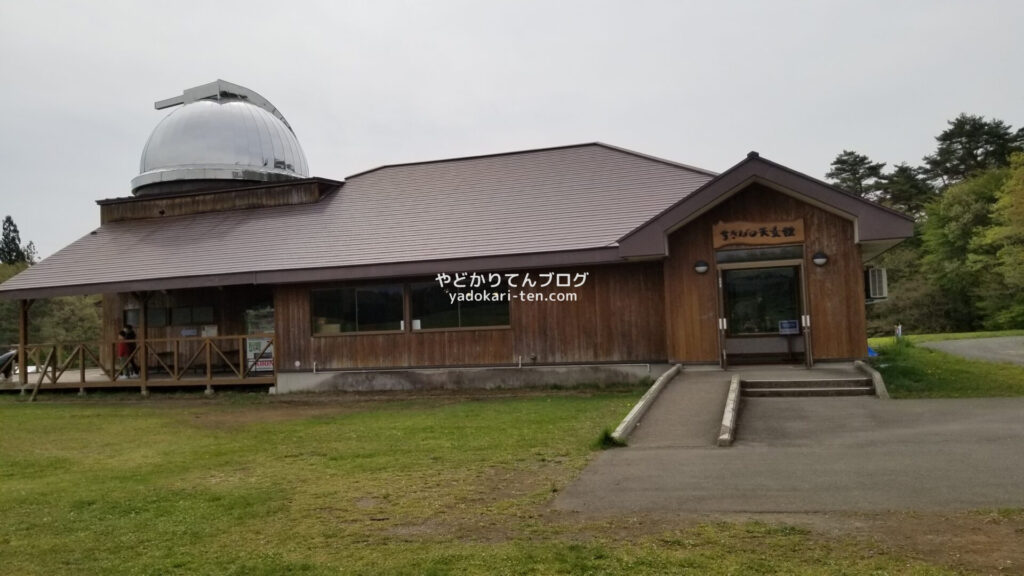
(880, 390)
(732, 409)
(633, 418)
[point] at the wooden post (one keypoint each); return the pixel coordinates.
(141, 356)
(23, 306)
(241, 356)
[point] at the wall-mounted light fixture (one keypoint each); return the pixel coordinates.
(819, 259)
(700, 267)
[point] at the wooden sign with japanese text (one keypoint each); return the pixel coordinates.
(758, 233)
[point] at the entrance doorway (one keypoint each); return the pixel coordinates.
(762, 307)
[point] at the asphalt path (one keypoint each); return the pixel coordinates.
(1003, 349)
(823, 454)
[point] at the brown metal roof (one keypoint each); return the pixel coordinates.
(491, 211)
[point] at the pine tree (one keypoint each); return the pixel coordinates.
(905, 190)
(11, 251)
(856, 173)
(970, 146)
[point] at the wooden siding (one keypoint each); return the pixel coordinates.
(835, 292)
(619, 317)
(691, 299)
(219, 201)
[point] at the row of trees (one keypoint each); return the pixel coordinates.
(964, 268)
(66, 319)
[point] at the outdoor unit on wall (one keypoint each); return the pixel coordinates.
(876, 284)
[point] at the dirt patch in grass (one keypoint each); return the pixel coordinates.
(236, 409)
(986, 542)
(230, 419)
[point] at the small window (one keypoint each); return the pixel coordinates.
(181, 316)
(131, 317)
(358, 309)
(760, 254)
(437, 307)
(156, 317)
(202, 315)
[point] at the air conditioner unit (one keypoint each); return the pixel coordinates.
(877, 284)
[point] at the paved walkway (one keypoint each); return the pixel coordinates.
(688, 412)
(1003, 349)
(823, 454)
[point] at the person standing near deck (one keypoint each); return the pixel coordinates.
(129, 346)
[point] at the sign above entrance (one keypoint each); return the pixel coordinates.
(758, 233)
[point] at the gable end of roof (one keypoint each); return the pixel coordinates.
(650, 238)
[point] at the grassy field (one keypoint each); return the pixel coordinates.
(912, 371)
(250, 484)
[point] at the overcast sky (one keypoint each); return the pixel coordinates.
(378, 82)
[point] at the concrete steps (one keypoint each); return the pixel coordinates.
(814, 387)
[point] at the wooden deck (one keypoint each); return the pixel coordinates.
(166, 363)
(96, 378)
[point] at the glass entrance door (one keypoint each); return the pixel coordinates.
(762, 307)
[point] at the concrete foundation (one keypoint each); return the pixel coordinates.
(467, 378)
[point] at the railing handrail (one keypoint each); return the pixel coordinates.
(262, 336)
(53, 360)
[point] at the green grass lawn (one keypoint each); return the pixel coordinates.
(916, 372)
(250, 484)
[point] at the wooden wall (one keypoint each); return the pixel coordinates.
(618, 317)
(218, 201)
(691, 299)
(835, 292)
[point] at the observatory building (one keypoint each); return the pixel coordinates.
(218, 136)
(584, 261)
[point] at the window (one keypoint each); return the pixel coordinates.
(757, 299)
(760, 254)
(156, 317)
(437, 307)
(131, 317)
(202, 314)
(358, 309)
(181, 316)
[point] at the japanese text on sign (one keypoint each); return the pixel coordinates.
(758, 233)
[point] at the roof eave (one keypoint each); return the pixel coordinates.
(559, 259)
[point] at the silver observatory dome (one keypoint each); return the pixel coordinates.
(222, 136)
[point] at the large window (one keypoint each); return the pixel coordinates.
(436, 307)
(758, 299)
(187, 315)
(162, 316)
(358, 309)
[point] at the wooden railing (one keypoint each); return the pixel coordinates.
(162, 361)
(209, 357)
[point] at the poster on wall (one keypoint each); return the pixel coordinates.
(259, 321)
(253, 347)
(789, 327)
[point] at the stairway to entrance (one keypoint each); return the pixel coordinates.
(788, 382)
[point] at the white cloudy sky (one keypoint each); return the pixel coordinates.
(378, 82)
